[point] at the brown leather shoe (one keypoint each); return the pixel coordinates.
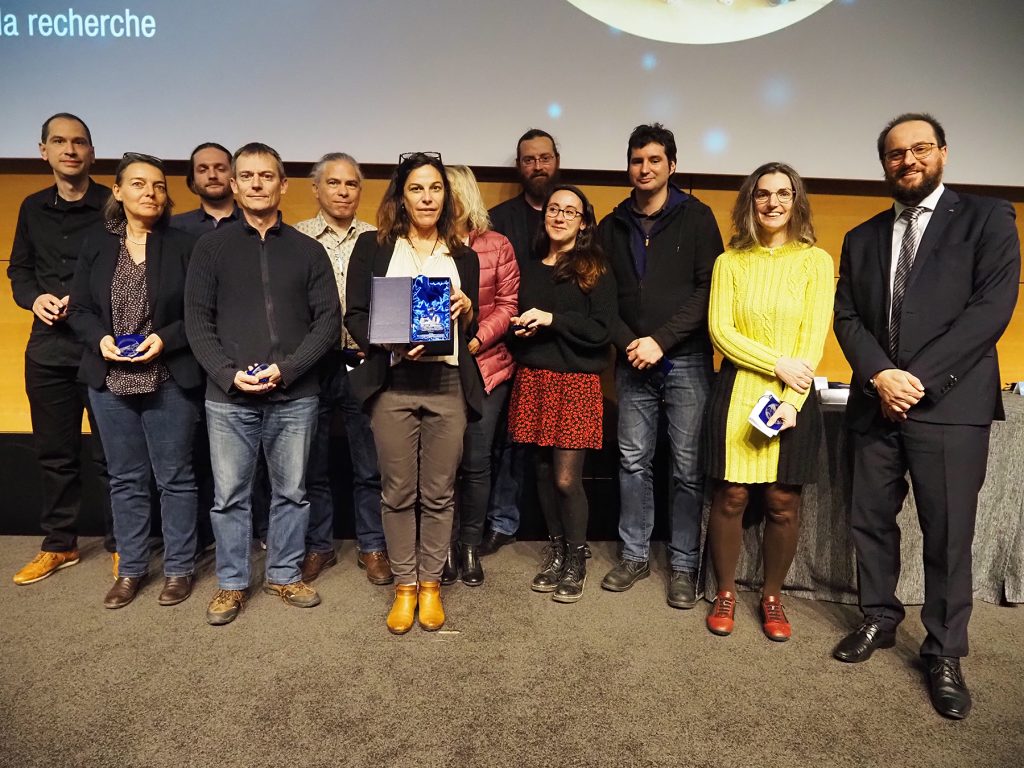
(225, 606)
(377, 567)
(298, 593)
(123, 592)
(176, 590)
(403, 610)
(431, 610)
(315, 562)
(46, 564)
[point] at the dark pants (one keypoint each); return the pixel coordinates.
(946, 464)
(478, 456)
(56, 401)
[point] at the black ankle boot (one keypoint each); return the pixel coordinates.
(450, 572)
(469, 565)
(551, 569)
(570, 586)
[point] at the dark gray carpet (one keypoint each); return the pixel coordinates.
(615, 680)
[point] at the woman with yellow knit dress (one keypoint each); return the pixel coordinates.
(771, 305)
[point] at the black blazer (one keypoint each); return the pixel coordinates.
(369, 260)
(89, 313)
(959, 299)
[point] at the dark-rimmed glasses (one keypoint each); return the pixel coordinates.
(410, 155)
(922, 150)
(569, 214)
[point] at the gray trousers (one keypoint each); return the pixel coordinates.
(418, 425)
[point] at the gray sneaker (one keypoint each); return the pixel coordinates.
(682, 589)
(625, 575)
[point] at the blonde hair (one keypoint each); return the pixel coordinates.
(470, 211)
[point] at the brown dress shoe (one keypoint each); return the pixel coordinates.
(315, 562)
(46, 564)
(431, 610)
(403, 610)
(176, 590)
(123, 592)
(377, 567)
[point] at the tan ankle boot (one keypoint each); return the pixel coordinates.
(403, 610)
(431, 610)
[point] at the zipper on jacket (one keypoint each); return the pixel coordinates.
(268, 300)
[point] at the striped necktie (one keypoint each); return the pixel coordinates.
(908, 248)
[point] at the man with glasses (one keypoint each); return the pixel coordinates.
(662, 244)
(518, 219)
(51, 226)
(337, 187)
(926, 289)
(261, 309)
(208, 176)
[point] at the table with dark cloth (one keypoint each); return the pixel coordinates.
(825, 564)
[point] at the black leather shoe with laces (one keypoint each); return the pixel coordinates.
(570, 586)
(625, 575)
(552, 567)
(946, 685)
(869, 637)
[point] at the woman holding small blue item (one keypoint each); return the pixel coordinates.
(770, 311)
(127, 307)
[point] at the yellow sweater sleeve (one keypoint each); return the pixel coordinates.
(740, 349)
(818, 300)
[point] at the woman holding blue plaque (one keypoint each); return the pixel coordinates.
(567, 301)
(770, 311)
(127, 307)
(418, 402)
(499, 289)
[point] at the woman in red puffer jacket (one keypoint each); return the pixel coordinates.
(499, 289)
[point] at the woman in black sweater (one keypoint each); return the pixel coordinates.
(561, 343)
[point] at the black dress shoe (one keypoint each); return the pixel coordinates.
(946, 685)
(123, 592)
(493, 541)
(858, 646)
(450, 572)
(470, 570)
(682, 589)
(625, 575)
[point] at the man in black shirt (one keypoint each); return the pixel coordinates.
(518, 219)
(661, 244)
(261, 309)
(49, 233)
(209, 177)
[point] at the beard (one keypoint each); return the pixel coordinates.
(539, 183)
(214, 198)
(909, 196)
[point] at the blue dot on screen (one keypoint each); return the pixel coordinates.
(649, 61)
(777, 92)
(715, 141)
(554, 110)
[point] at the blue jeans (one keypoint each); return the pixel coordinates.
(285, 430)
(337, 393)
(475, 471)
(682, 393)
(144, 433)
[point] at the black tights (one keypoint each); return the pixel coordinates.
(560, 492)
(781, 526)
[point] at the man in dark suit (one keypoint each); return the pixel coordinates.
(925, 290)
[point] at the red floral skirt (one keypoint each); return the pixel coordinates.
(563, 410)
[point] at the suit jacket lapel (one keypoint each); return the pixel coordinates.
(153, 262)
(885, 224)
(944, 212)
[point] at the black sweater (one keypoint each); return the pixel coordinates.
(578, 337)
(249, 300)
(670, 302)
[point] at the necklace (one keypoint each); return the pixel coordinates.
(136, 242)
(416, 256)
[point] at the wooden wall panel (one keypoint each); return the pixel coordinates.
(834, 215)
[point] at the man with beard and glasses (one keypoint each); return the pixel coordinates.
(208, 176)
(518, 219)
(926, 289)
